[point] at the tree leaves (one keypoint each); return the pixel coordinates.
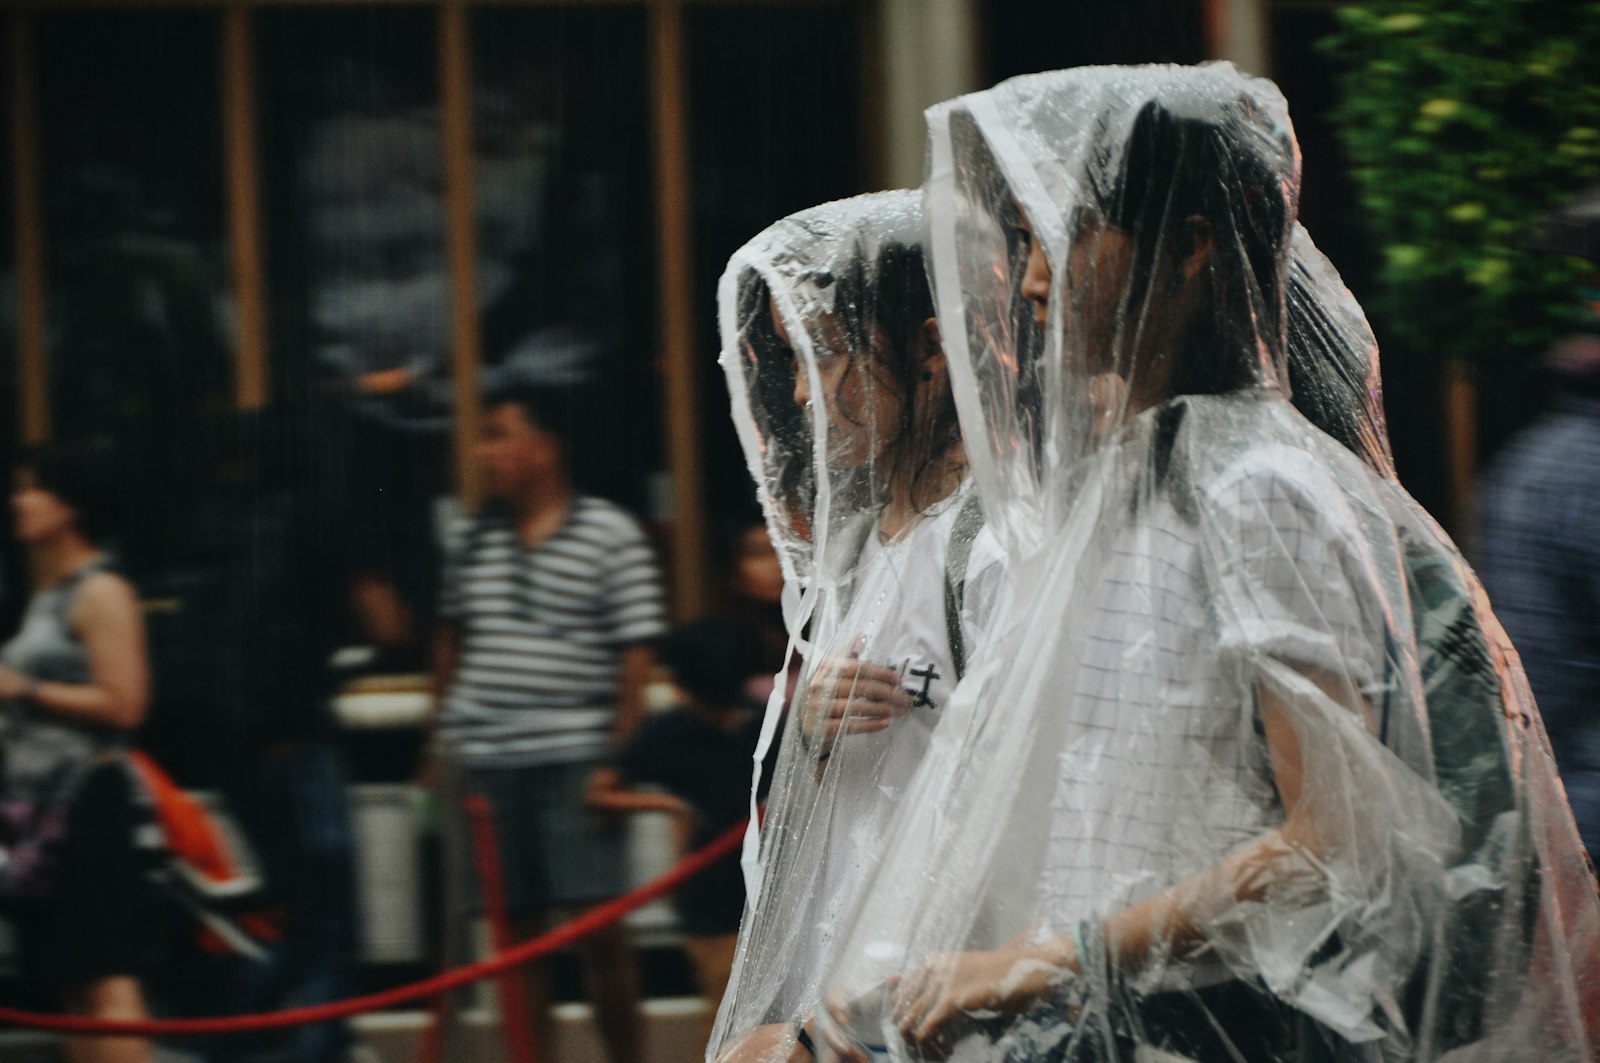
(1466, 121)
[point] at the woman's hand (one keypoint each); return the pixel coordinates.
(951, 988)
(836, 1044)
(850, 696)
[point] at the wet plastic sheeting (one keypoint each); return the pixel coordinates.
(842, 402)
(1245, 768)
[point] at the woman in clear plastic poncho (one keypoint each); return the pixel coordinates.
(829, 335)
(1245, 769)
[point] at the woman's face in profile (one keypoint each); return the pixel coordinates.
(1100, 268)
(36, 513)
(758, 573)
(1099, 265)
(860, 395)
(1100, 262)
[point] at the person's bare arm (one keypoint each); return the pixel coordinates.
(446, 651)
(109, 621)
(638, 665)
(384, 619)
(1173, 920)
(606, 792)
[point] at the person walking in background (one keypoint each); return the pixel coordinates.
(291, 561)
(74, 684)
(1541, 535)
(753, 596)
(699, 754)
(551, 602)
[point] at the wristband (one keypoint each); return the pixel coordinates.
(803, 1039)
(1078, 945)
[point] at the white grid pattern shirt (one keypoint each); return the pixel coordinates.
(1165, 767)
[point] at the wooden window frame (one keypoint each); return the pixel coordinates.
(680, 393)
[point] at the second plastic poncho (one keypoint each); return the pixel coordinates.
(841, 394)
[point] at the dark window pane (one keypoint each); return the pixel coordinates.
(134, 230)
(1024, 36)
(566, 237)
(12, 590)
(776, 95)
(357, 282)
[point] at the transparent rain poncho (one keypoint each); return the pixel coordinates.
(842, 400)
(1244, 768)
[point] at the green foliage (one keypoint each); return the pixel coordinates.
(1465, 121)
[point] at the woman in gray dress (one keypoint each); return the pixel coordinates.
(74, 684)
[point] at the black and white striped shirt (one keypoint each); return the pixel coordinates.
(541, 631)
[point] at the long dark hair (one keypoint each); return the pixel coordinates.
(888, 291)
(772, 392)
(891, 292)
(81, 473)
(1216, 164)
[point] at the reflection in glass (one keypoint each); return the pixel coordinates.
(566, 255)
(775, 93)
(136, 281)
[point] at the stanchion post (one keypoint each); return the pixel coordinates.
(486, 847)
(430, 1045)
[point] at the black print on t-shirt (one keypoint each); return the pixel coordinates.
(929, 675)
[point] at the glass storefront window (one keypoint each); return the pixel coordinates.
(776, 95)
(136, 280)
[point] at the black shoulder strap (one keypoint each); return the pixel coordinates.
(969, 522)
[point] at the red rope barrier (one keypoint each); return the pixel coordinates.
(559, 938)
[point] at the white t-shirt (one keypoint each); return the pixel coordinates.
(894, 614)
(1165, 767)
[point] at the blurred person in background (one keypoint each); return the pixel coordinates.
(74, 685)
(753, 596)
(551, 602)
(698, 754)
(290, 583)
(1540, 533)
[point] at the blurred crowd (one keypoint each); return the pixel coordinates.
(542, 619)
